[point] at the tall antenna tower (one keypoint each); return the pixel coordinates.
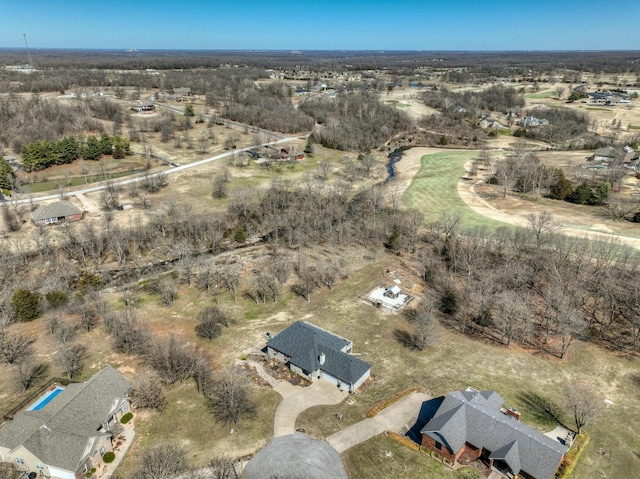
(28, 51)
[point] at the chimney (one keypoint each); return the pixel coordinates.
(321, 358)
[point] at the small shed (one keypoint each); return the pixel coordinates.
(392, 292)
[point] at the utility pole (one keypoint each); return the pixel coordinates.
(28, 51)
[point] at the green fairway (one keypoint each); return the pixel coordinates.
(434, 189)
(540, 96)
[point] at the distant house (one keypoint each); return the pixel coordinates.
(474, 425)
(532, 121)
(489, 123)
(56, 212)
(144, 106)
(184, 91)
(315, 353)
(67, 436)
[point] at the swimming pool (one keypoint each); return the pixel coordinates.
(45, 399)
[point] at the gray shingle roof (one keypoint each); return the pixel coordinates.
(304, 342)
(55, 210)
(296, 456)
(58, 433)
(475, 417)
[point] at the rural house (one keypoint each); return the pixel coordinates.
(144, 106)
(56, 212)
(315, 353)
(65, 434)
(474, 425)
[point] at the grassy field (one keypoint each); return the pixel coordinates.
(434, 189)
(540, 95)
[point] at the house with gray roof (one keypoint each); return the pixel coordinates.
(315, 353)
(296, 455)
(473, 425)
(56, 212)
(67, 437)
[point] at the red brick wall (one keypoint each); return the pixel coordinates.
(430, 443)
(468, 451)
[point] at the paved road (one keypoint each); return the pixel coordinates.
(399, 417)
(141, 178)
(297, 399)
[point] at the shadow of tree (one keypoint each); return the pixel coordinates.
(405, 338)
(543, 407)
(635, 379)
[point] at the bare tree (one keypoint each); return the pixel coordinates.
(69, 358)
(211, 321)
(425, 324)
(230, 396)
(167, 289)
(506, 173)
(542, 225)
(15, 346)
(220, 188)
(65, 331)
(31, 371)
(230, 276)
(147, 392)
(583, 401)
(165, 461)
(173, 361)
(221, 467)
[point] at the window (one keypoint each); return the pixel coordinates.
(85, 468)
(123, 408)
(102, 451)
(39, 466)
(438, 446)
(19, 460)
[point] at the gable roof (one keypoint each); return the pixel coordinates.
(56, 209)
(303, 343)
(296, 456)
(58, 434)
(474, 417)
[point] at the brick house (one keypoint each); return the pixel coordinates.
(315, 353)
(67, 436)
(56, 212)
(474, 425)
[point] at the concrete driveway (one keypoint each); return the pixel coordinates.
(398, 417)
(297, 399)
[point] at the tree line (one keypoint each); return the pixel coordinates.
(43, 154)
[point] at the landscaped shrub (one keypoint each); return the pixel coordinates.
(126, 418)
(108, 457)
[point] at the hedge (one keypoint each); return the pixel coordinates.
(389, 401)
(108, 457)
(126, 418)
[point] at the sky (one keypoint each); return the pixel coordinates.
(322, 25)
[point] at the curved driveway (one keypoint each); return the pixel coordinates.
(296, 399)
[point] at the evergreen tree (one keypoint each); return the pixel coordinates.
(26, 305)
(91, 149)
(7, 175)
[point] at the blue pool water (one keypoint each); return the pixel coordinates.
(45, 399)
